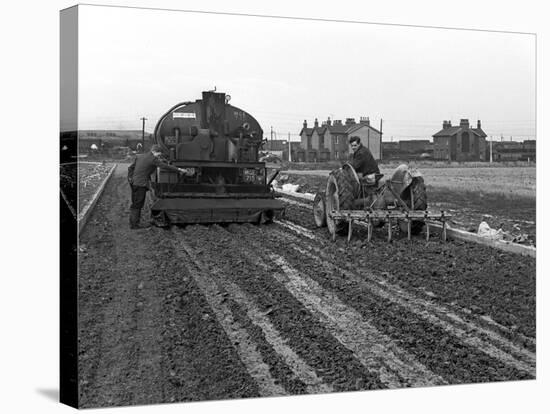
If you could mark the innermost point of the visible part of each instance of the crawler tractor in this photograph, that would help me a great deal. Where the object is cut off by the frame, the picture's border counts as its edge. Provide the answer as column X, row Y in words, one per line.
column 401, row 198
column 219, row 143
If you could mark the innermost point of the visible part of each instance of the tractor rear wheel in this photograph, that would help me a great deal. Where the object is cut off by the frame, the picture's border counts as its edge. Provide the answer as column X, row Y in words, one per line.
column 420, row 201
column 319, row 210
column 339, row 196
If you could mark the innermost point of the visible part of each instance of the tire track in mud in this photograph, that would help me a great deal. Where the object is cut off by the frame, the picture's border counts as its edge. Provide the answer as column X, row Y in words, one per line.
column 430, row 343
column 486, row 340
column 321, row 240
column 333, row 363
column 247, row 348
column 375, row 351
column 244, row 345
column 484, row 320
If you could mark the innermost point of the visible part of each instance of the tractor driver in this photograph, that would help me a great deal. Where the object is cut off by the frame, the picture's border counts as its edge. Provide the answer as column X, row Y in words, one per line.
column 139, row 173
column 362, row 160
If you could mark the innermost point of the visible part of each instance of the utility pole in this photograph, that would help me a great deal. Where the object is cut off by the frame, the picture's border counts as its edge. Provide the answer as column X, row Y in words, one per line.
column 271, row 140
column 143, row 119
column 289, row 149
column 380, row 147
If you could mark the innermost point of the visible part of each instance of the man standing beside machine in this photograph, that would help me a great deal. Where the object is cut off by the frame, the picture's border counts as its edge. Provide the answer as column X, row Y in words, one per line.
column 139, row 173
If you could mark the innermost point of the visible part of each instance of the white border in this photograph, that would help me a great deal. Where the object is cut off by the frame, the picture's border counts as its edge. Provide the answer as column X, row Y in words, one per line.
column 30, row 203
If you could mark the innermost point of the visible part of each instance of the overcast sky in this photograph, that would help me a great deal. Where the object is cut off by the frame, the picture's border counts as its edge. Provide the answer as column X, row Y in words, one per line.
column 135, row 63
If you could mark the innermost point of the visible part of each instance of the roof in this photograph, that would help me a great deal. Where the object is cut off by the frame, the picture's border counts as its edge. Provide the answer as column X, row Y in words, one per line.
column 308, row 131
column 320, row 130
column 337, row 129
column 479, row 132
column 447, row 132
column 355, row 127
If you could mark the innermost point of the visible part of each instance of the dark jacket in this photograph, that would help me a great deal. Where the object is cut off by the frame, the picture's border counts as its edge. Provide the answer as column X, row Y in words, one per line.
column 143, row 166
column 363, row 161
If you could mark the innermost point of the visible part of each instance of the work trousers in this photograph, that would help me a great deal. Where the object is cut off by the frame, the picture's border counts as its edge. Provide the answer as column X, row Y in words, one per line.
column 138, row 197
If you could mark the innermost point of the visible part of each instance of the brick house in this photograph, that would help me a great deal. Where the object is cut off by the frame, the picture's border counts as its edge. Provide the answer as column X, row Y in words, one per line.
column 460, row 143
column 329, row 141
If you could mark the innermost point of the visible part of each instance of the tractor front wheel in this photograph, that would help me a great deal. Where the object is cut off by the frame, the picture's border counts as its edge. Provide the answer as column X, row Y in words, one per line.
column 339, row 196
column 319, row 210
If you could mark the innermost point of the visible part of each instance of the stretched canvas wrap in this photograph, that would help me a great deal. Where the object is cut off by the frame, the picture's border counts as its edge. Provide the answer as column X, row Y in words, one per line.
column 258, row 206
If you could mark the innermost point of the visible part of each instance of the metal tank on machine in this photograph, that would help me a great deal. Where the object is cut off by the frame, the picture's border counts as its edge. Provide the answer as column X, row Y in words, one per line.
column 220, row 142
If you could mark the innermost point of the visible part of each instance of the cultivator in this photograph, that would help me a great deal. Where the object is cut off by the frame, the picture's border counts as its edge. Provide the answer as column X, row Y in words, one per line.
column 376, row 203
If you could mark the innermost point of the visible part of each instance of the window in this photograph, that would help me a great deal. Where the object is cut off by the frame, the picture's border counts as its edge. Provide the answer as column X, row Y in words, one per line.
column 336, row 155
column 336, row 139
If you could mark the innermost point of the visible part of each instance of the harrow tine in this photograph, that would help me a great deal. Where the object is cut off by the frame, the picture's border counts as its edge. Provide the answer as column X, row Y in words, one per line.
column 369, row 230
column 427, row 226
column 389, row 227
column 350, row 222
column 427, row 231
column 444, row 232
column 408, row 225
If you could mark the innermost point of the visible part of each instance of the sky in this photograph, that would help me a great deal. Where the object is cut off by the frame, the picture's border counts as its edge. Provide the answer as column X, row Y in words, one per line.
column 137, row 63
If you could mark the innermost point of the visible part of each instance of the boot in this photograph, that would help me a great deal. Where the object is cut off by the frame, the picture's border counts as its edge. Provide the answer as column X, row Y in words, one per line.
column 135, row 215
column 134, row 218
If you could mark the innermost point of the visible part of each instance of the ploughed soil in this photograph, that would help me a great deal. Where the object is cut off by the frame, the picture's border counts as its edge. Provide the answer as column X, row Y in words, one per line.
column 514, row 214
column 236, row 311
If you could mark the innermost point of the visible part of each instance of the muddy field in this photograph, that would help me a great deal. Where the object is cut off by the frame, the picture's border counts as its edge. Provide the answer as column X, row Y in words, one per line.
column 502, row 197
column 219, row 312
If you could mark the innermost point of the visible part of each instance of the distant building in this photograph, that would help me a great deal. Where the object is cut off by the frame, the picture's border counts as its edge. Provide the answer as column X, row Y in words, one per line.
column 275, row 145
column 514, row 150
column 105, row 139
column 329, row 141
column 460, row 143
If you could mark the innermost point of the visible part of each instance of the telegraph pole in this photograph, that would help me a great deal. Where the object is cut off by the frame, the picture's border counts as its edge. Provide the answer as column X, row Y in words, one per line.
column 143, row 119
column 271, row 140
column 289, row 149
column 380, row 148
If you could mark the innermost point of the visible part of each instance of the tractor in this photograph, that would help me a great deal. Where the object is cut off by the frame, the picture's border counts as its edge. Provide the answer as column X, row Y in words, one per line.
column 375, row 202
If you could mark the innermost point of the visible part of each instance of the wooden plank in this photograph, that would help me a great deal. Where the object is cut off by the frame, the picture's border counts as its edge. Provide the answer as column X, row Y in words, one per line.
column 302, row 196
column 87, row 210
column 497, row 244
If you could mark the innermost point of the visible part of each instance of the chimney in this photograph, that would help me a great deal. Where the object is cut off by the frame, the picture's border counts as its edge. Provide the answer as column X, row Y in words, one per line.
column 305, row 123
column 464, row 123
column 316, row 123
column 478, row 124
column 364, row 120
column 329, row 122
column 337, row 122
column 350, row 121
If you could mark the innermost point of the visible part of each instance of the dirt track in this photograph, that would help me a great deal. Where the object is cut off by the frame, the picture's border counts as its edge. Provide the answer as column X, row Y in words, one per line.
column 216, row 312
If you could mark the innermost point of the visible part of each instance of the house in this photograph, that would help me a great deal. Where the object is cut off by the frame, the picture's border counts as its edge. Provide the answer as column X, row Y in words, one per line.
column 305, row 153
column 329, row 141
column 460, row 142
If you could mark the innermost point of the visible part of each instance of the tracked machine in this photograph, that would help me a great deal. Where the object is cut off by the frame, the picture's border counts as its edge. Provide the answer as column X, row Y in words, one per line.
column 399, row 199
column 220, row 143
